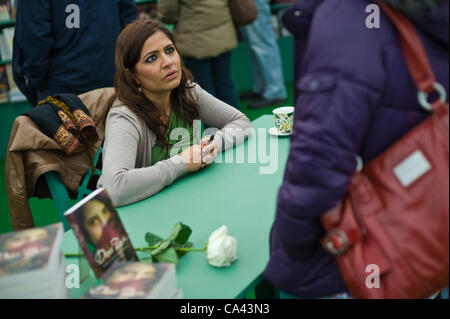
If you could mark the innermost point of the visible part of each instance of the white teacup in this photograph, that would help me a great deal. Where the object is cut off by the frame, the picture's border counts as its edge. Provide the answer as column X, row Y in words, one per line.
column 284, row 119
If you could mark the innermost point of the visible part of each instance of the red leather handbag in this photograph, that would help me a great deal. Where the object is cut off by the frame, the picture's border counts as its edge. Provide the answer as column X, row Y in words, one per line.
column 390, row 235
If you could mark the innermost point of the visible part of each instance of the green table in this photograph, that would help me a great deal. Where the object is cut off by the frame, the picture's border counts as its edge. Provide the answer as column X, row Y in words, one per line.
column 232, row 194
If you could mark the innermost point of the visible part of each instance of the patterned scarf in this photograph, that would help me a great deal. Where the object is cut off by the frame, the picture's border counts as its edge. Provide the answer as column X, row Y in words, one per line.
column 65, row 119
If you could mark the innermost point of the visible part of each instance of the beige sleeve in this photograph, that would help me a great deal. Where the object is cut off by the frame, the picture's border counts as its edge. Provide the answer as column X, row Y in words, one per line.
column 234, row 127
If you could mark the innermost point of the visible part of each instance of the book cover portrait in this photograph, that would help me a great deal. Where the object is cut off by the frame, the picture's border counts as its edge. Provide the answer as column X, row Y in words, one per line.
column 139, row 280
column 27, row 250
column 100, row 232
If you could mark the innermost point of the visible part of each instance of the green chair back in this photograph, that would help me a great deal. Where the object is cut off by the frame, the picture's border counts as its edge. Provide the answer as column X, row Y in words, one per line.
column 59, row 192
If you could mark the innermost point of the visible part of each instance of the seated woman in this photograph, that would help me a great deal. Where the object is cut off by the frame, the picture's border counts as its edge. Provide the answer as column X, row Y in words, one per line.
column 151, row 136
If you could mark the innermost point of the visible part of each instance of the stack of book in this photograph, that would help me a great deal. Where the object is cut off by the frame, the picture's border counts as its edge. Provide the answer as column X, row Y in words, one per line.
column 137, row 280
column 32, row 264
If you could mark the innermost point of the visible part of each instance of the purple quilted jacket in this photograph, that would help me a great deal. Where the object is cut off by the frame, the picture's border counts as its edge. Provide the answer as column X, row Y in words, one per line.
column 356, row 97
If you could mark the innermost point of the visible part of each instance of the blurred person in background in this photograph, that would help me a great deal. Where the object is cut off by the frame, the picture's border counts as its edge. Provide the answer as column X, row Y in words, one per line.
column 357, row 97
column 266, row 67
column 67, row 46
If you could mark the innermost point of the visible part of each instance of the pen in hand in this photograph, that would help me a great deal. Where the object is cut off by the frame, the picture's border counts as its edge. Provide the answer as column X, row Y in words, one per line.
column 203, row 145
column 211, row 138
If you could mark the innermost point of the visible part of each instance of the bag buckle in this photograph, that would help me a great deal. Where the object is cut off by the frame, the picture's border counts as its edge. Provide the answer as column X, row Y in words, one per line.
column 336, row 242
column 423, row 97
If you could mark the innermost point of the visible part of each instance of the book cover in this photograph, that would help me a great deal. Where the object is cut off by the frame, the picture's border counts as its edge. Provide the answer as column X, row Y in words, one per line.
column 100, row 232
column 4, row 48
column 5, row 11
column 29, row 254
column 136, row 280
column 4, row 87
column 8, row 33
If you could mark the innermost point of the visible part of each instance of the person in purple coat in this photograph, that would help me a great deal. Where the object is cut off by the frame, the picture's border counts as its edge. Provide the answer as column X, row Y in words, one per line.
column 356, row 97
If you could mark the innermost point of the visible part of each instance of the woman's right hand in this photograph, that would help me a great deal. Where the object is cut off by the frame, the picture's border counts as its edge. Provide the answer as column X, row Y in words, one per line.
column 192, row 157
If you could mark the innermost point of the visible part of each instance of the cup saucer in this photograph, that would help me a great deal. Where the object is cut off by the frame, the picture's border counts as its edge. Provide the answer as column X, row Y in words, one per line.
column 275, row 132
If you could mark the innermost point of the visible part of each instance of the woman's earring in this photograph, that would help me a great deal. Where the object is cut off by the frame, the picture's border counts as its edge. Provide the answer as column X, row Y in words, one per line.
column 139, row 86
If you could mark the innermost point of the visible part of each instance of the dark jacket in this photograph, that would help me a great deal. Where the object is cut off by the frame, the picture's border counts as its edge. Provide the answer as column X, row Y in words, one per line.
column 356, row 97
column 50, row 57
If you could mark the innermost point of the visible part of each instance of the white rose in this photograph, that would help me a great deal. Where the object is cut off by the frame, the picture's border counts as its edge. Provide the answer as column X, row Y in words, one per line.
column 222, row 248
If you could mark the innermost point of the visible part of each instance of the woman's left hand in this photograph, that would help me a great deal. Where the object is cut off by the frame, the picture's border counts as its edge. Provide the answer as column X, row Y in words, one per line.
column 209, row 151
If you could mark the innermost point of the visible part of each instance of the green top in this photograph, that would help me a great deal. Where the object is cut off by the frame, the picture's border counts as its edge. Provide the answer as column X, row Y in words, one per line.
column 182, row 142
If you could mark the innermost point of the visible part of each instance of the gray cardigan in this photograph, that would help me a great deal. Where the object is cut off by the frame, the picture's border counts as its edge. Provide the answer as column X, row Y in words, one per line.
column 127, row 173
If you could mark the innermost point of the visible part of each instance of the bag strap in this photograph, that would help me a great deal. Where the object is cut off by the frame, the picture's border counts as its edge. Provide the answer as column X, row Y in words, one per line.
column 416, row 58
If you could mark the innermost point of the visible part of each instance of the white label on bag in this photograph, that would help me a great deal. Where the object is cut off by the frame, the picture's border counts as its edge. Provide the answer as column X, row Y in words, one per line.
column 413, row 167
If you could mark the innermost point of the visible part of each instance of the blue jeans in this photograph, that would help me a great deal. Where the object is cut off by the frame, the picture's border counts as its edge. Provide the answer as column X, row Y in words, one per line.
column 214, row 76
column 267, row 70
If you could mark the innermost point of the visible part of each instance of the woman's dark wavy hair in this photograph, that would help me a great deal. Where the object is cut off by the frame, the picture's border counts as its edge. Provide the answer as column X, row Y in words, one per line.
column 128, row 52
